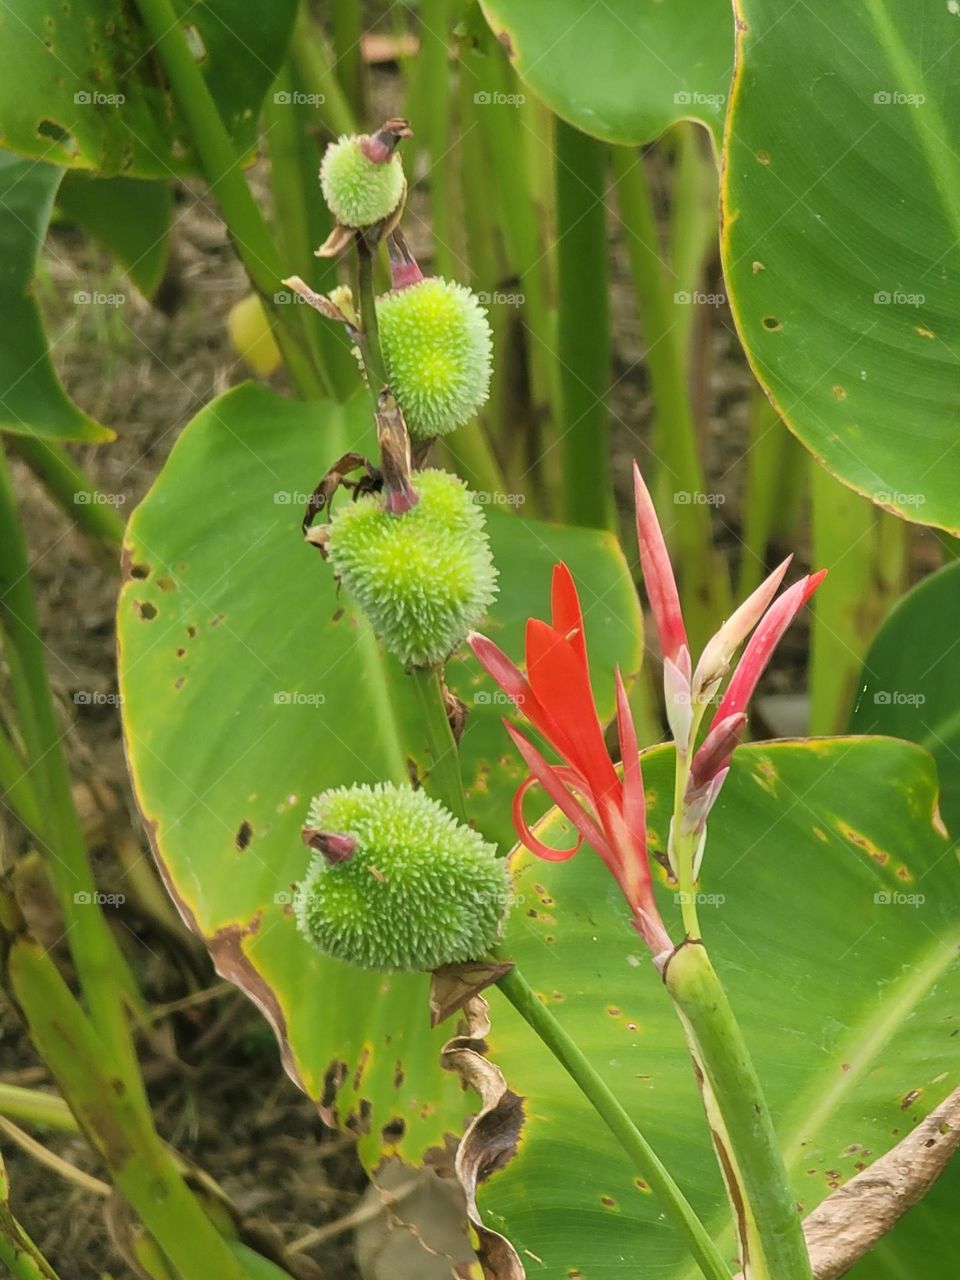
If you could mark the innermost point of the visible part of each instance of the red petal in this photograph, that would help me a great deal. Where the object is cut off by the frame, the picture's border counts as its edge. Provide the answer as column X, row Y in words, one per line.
column 565, row 609
column 560, row 681
column 634, row 806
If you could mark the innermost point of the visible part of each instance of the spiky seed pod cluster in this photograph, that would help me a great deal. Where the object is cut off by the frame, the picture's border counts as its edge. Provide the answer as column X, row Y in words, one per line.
column 359, row 191
column 418, row 890
column 423, row 579
column 437, row 348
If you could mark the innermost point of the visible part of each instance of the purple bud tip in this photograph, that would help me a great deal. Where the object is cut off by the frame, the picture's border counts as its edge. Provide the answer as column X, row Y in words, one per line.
column 334, row 846
column 399, row 501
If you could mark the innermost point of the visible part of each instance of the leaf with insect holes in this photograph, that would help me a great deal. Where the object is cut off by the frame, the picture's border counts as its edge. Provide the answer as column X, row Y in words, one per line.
column 82, row 84
column 251, row 683
column 841, row 244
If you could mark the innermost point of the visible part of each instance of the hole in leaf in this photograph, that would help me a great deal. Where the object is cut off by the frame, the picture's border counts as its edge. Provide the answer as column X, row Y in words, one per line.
column 140, row 571
column 146, row 609
column 244, row 835
column 191, row 631
column 771, row 324
column 166, row 584
column 180, row 652
column 394, row 1131
column 54, row 132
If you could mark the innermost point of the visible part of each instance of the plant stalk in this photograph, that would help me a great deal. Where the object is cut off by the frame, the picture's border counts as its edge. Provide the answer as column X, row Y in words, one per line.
column 71, row 489
column 573, row 1060
column 445, row 781
column 583, row 325
column 768, row 1223
column 113, row 1120
column 100, row 964
column 247, row 226
column 703, row 573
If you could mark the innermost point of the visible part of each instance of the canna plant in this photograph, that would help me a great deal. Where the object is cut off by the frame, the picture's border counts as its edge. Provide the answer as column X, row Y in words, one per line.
column 336, row 804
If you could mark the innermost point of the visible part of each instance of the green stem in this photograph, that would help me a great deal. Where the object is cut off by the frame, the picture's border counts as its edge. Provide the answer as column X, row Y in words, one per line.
column 71, row 489
column 765, row 1209
column 369, row 324
column 445, row 780
column 222, row 166
column 583, row 324
column 702, row 570
column 573, row 1060
column 100, row 964
column 17, row 786
column 315, row 62
column 434, row 68
column 347, row 36
column 22, row 1258
column 117, row 1126
column 45, row 1110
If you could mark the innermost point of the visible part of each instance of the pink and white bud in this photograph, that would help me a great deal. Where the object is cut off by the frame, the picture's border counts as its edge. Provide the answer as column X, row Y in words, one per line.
column 762, row 644
column 658, row 576
column 720, row 648
column 716, row 749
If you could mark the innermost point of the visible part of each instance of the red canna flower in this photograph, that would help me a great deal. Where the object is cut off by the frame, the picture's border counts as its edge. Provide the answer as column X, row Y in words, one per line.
column 556, row 697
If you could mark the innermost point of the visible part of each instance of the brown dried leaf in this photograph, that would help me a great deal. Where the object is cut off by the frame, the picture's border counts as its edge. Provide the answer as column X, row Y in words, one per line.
column 850, row 1222
column 490, row 1141
column 452, row 985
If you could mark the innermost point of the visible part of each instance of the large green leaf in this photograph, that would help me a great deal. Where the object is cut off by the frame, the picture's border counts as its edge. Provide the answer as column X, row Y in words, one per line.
column 129, row 217
column 910, row 682
column 249, row 685
column 81, row 84
column 833, row 920
column 622, row 70
column 841, row 242
column 32, row 401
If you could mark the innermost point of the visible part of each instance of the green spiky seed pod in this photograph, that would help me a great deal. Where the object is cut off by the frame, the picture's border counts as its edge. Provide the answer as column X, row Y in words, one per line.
column 418, row 889
column 423, row 579
column 437, row 349
column 358, row 191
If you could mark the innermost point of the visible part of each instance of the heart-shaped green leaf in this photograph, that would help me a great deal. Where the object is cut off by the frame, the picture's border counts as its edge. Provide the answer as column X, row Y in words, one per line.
column 831, row 905
column 910, row 682
column 32, row 401
column 249, row 684
column 129, row 217
column 841, row 240
column 81, row 84
column 623, row 70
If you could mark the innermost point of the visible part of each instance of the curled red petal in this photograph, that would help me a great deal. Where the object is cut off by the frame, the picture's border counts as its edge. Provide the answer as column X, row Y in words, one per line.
column 553, row 782
column 525, row 832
